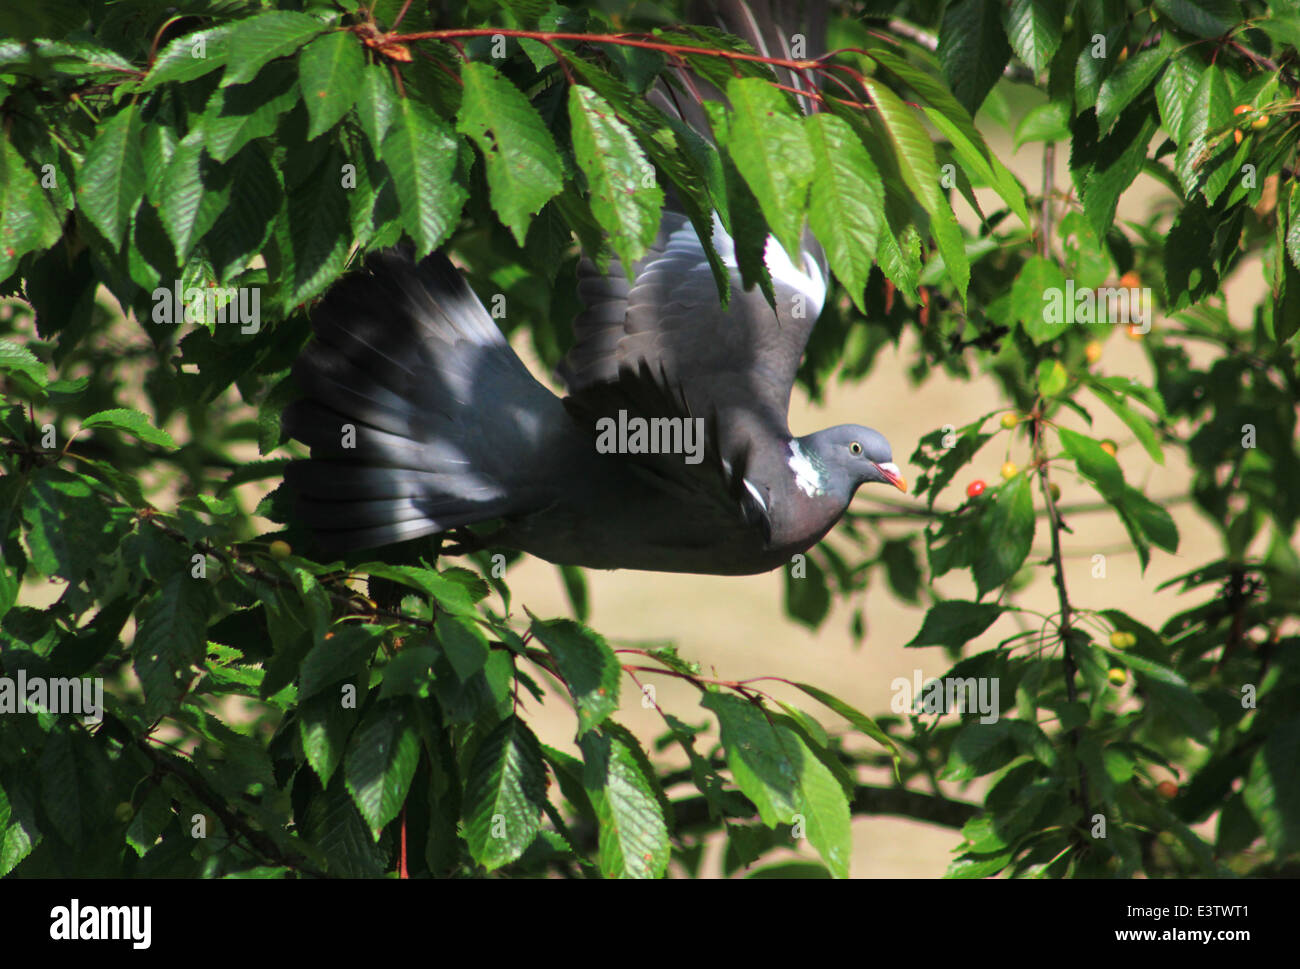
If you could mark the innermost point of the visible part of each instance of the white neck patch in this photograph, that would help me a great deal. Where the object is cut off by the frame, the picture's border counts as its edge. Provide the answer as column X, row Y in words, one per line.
column 806, row 476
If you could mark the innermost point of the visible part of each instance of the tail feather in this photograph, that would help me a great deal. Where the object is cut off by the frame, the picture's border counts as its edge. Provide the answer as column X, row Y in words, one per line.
column 419, row 415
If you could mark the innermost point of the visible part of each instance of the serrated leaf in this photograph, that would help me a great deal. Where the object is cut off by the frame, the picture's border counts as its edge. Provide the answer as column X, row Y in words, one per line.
column 504, row 794
column 522, row 164
column 775, row 769
column 772, row 153
column 972, row 49
column 1203, row 18
column 27, row 219
column 1009, row 535
column 111, row 181
column 1129, row 80
column 189, row 56
column 171, row 630
column 329, row 70
column 324, row 726
column 18, row 359
column 920, row 170
column 633, row 839
column 464, row 644
column 1034, row 29
column 845, row 200
column 381, row 761
column 858, row 719
column 956, row 124
column 625, row 198
column 1272, row 791
column 587, row 665
column 236, row 115
column 133, row 423
column 420, row 153
column 264, row 37
column 340, row 654
column 376, row 105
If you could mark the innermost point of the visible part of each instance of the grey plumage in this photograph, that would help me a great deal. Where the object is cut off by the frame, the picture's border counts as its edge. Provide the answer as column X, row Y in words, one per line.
column 420, row 417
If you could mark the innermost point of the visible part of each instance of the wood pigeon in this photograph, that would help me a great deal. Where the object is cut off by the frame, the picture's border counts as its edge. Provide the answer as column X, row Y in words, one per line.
column 671, row 452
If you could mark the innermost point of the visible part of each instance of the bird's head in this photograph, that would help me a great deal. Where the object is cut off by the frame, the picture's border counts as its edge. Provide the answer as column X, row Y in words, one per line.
column 842, row 458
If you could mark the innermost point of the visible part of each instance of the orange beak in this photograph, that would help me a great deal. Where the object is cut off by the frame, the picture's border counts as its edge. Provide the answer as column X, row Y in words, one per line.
column 892, row 475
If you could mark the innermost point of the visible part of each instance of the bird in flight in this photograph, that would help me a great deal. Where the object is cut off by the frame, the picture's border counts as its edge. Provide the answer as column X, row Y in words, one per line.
column 671, row 451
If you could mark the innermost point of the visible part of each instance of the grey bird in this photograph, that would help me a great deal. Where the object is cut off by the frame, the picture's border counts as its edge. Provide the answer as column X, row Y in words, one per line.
column 672, row 451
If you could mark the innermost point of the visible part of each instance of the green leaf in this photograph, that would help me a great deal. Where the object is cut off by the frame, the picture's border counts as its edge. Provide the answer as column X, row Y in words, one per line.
column 1120, row 157
column 633, row 836
column 376, row 105
column 973, row 49
column 341, row 654
column 329, row 70
column 1052, row 378
column 953, row 623
column 1094, row 462
column 786, row 781
column 112, row 177
column 189, row 57
column 1203, row 18
column 1038, row 299
column 1140, row 427
column 183, row 194
column 1034, row 28
column 27, row 219
column 236, row 115
column 311, row 231
column 920, row 170
column 18, row 359
column 625, row 198
column 955, row 123
column 846, row 199
column 450, row 595
column 587, row 665
column 171, row 632
column 858, row 719
column 1129, row 80
column 1272, row 791
column 523, row 167
column 504, row 794
column 771, row 150
column 464, row 643
column 420, row 153
column 264, row 37
column 133, row 423
column 1010, row 533
column 324, row 726
column 381, row 761
column 1170, row 693
column 807, row 596
column 1047, row 122
column 1175, row 89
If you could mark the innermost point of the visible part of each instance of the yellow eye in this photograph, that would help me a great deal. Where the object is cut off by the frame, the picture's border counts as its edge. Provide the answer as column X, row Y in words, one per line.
column 855, row 448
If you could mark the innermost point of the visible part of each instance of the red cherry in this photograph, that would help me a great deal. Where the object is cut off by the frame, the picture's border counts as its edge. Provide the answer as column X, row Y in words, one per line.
column 1167, row 789
column 975, row 488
